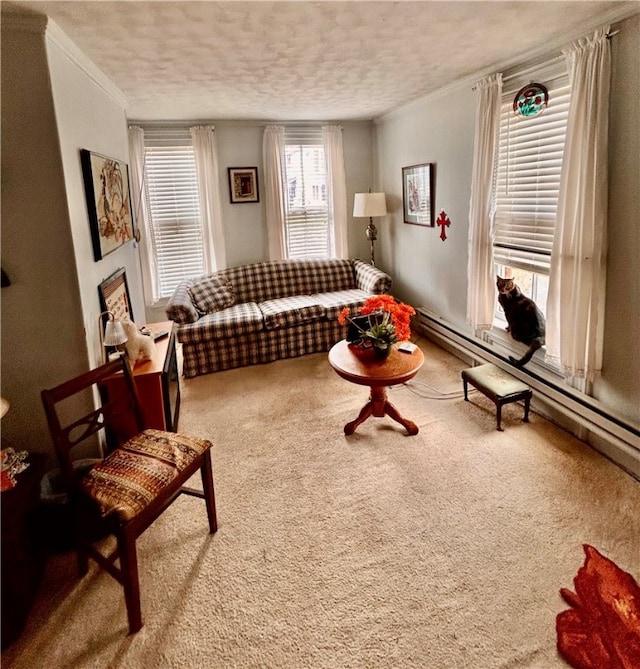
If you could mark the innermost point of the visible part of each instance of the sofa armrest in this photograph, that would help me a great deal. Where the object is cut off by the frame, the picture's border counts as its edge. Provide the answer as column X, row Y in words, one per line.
column 370, row 278
column 180, row 307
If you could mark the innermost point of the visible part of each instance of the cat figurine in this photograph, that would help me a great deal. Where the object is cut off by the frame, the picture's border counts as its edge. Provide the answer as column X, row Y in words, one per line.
column 526, row 322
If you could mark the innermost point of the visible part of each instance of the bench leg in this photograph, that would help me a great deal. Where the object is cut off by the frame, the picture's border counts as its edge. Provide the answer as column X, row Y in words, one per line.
column 464, row 385
column 527, row 402
column 499, row 416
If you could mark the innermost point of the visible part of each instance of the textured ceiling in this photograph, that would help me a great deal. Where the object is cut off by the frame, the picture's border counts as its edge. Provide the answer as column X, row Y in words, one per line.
column 301, row 60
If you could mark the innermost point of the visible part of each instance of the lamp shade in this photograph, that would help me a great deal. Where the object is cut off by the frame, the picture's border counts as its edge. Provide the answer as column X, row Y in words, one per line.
column 369, row 204
column 114, row 334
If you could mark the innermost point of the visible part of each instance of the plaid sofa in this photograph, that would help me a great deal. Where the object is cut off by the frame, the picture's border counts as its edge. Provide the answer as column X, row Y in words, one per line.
column 267, row 311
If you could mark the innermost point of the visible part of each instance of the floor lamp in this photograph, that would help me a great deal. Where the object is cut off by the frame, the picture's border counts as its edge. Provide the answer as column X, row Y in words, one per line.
column 370, row 204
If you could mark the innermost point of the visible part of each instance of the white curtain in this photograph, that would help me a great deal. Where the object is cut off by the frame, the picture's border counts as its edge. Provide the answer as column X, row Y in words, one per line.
column 481, row 290
column 206, row 157
column 576, row 301
column 147, row 256
column 272, row 151
column 336, row 181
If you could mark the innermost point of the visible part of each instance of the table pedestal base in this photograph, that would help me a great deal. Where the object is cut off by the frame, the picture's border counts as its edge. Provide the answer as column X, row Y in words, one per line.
column 379, row 406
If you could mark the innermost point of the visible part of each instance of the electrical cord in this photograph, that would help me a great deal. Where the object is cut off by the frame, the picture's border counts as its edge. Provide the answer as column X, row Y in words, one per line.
column 416, row 387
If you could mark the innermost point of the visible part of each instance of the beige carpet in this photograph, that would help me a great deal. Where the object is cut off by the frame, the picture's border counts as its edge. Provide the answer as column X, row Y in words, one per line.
column 380, row 550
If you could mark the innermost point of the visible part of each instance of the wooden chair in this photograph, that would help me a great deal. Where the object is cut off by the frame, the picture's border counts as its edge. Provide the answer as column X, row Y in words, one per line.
column 140, row 476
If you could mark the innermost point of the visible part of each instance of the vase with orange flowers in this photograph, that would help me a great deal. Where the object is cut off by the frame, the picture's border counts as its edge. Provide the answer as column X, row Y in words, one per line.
column 379, row 323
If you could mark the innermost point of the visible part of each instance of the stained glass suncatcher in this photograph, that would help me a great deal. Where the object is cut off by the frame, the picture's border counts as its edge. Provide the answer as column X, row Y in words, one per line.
column 531, row 100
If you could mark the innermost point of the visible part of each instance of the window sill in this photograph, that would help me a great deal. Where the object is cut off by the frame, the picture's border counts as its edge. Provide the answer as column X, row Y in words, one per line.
column 505, row 346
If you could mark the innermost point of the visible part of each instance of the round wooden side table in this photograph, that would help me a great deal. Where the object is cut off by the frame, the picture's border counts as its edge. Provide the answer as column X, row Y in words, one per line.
column 366, row 370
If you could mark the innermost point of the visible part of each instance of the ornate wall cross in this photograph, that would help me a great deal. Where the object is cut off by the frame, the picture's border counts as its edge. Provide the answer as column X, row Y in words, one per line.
column 443, row 221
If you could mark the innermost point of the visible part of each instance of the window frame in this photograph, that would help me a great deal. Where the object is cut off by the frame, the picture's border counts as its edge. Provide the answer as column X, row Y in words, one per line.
column 301, row 240
column 532, row 208
column 178, row 253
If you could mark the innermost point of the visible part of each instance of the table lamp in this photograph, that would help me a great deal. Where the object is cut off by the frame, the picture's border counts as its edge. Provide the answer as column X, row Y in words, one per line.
column 113, row 334
column 370, row 204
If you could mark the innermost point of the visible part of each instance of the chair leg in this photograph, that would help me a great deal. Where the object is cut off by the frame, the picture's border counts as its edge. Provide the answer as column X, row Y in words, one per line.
column 130, row 582
column 82, row 558
column 206, row 472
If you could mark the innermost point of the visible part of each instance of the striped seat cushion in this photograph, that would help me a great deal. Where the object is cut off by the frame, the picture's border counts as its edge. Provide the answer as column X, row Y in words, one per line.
column 130, row 478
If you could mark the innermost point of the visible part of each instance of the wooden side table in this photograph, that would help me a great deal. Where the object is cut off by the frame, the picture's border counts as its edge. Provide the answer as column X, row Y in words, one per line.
column 157, row 381
column 366, row 370
column 22, row 559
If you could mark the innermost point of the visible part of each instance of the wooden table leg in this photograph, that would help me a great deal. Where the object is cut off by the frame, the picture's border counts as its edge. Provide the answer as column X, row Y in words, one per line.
column 409, row 425
column 379, row 406
column 365, row 412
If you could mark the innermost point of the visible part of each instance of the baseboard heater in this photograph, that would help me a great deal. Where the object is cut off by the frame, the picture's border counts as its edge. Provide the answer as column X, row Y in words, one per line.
column 607, row 433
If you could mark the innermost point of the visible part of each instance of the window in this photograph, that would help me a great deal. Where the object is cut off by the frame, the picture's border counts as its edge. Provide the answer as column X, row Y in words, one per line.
column 172, row 202
column 527, row 181
column 306, row 205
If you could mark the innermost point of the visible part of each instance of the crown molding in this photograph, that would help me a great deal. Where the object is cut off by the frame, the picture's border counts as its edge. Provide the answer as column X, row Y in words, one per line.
column 615, row 15
column 39, row 24
column 59, row 38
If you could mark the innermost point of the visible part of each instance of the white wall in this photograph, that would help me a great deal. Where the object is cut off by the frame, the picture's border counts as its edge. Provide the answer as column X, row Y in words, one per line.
column 427, row 271
column 431, row 273
column 51, row 108
column 42, row 325
column 620, row 382
column 240, row 145
column 90, row 114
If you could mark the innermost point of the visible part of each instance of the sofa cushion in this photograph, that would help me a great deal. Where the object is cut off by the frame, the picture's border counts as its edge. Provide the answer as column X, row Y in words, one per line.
column 370, row 278
column 336, row 301
column 180, row 307
column 269, row 280
column 286, row 311
column 238, row 320
column 212, row 293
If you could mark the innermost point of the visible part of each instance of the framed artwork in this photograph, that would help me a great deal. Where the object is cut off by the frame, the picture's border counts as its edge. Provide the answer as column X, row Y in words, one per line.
column 114, row 295
column 106, row 185
column 243, row 184
column 417, row 194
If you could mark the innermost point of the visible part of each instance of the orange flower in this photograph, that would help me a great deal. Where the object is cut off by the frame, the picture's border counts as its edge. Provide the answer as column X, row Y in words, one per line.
column 395, row 318
column 342, row 318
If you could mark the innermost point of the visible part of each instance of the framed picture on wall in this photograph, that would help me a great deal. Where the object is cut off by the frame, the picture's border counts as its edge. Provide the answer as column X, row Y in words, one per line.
column 114, row 295
column 243, row 184
column 106, row 185
column 417, row 194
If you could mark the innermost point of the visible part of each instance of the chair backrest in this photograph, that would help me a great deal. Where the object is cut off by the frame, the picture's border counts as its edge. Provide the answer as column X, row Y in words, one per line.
column 101, row 410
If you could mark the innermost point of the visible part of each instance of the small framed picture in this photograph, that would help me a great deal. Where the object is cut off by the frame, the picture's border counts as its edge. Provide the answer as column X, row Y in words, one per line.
column 417, row 194
column 114, row 295
column 243, row 184
column 106, row 185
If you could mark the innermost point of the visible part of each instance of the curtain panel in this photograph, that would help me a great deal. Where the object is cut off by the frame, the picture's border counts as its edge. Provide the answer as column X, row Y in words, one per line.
column 206, row 158
column 336, row 181
column 141, row 216
column 272, row 151
column 481, row 279
column 576, row 303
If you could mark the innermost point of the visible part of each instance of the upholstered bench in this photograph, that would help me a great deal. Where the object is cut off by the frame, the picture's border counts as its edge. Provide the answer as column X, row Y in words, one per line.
column 499, row 386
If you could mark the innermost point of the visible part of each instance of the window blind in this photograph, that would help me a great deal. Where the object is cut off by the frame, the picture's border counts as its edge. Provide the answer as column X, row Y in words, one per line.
column 306, row 204
column 527, row 179
column 173, row 205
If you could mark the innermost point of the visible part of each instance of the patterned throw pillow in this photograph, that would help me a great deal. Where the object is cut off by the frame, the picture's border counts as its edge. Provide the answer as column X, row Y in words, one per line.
column 212, row 294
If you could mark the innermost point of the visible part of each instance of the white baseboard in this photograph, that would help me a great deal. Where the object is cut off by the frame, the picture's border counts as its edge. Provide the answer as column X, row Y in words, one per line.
column 579, row 414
